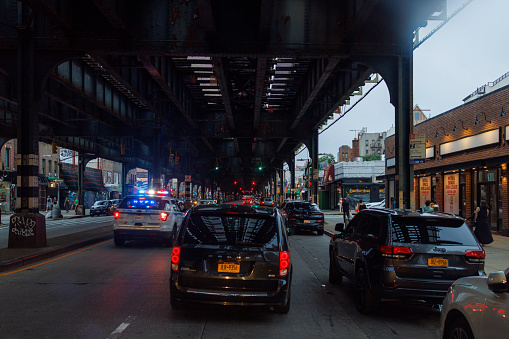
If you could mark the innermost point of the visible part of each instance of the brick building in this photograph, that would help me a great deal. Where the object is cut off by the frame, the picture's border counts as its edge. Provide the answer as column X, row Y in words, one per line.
column 467, row 152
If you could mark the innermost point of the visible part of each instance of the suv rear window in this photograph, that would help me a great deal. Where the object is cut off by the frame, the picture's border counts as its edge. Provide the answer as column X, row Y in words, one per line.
column 153, row 203
column 231, row 229
column 436, row 231
column 304, row 206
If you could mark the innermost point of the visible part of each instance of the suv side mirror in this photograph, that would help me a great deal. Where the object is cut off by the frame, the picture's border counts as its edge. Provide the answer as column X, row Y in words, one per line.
column 497, row 282
column 340, row 227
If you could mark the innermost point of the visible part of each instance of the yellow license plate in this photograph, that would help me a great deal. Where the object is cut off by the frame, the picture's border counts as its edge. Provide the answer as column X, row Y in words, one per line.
column 438, row 262
column 306, row 221
column 228, row 267
column 138, row 218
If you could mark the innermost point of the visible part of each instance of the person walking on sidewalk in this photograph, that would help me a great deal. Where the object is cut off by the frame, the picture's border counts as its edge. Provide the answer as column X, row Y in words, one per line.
column 48, row 203
column 482, row 224
column 346, row 211
column 361, row 205
column 67, row 205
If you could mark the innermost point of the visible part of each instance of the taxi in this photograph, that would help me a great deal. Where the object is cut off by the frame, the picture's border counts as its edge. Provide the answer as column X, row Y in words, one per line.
column 149, row 214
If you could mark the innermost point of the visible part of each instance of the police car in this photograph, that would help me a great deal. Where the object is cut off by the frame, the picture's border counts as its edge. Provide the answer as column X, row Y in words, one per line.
column 150, row 214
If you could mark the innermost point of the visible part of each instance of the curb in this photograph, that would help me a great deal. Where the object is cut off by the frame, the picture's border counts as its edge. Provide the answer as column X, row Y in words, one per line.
column 7, row 266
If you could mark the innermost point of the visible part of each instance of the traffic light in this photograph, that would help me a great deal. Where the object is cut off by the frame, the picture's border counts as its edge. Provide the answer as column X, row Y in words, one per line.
column 176, row 159
column 172, row 157
column 217, row 165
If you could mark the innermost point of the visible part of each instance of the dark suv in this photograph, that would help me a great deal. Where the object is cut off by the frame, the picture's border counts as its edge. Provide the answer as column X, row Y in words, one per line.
column 400, row 254
column 231, row 255
column 101, row 207
column 303, row 215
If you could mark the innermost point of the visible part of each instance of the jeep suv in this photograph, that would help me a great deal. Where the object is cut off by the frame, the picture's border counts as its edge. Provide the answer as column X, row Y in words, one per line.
column 400, row 254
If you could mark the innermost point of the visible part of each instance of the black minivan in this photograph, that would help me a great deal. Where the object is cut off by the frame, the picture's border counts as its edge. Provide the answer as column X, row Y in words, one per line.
column 231, row 255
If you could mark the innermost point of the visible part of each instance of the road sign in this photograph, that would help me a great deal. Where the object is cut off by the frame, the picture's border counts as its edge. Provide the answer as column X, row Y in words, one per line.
column 188, row 178
column 417, row 148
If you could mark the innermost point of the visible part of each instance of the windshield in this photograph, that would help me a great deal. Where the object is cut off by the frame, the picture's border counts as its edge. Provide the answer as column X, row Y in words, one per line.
column 436, row 231
column 232, row 229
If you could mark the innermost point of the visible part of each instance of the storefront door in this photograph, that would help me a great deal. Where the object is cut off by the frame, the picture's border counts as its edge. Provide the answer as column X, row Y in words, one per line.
column 488, row 192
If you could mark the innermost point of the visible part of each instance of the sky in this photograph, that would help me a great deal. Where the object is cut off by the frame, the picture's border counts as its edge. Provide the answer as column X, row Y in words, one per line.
column 471, row 50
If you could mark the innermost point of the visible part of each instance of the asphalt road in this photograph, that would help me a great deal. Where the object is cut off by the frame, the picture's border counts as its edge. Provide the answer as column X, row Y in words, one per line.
column 107, row 292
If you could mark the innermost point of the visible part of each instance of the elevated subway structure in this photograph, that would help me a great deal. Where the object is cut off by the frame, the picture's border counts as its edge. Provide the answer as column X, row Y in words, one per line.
column 238, row 84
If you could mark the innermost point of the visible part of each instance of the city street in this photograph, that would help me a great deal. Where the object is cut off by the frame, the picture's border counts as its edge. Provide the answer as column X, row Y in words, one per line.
column 107, row 292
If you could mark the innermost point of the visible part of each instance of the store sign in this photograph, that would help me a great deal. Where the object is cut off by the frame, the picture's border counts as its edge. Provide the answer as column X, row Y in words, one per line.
column 417, row 148
column 424, row 190
column 452, row 193
column 187, row 178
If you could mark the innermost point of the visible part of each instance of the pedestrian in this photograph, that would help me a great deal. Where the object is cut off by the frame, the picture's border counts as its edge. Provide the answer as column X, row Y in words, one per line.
column 361, row 205
column 76, row 201
column 48, row 203
column 482, row 225
column 346, row 210
column 427, row 206
column 67, row 205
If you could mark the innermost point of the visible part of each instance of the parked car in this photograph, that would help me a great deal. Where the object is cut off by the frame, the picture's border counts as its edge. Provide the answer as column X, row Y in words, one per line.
column 206, row 202
column 146, row 216
column 101, row 207
column 303, row 215
column 477, row 307
column 396, row 254
column 231, row 255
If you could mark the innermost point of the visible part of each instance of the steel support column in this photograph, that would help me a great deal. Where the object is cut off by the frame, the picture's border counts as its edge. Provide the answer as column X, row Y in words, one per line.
column 292, row 180
column 314, row 163
column 83, row 160
column 27, row 226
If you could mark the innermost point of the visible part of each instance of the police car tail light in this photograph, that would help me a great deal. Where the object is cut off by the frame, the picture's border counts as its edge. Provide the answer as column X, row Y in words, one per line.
column 475, row 255
column 116, row 214
column 284, row 263
column 164, row 216
column 175, row 258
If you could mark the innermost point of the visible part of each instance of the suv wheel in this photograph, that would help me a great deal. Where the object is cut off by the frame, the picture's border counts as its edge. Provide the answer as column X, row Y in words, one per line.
column 334, row 275
column 319, row 232
column 284, row 309
column 366, row 302
column 119, row 241
column 459, row 329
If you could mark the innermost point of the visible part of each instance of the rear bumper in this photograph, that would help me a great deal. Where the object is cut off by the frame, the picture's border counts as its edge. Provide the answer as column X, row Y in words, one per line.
column 98, row 212
column 278, row 297
column 312, row 226
column 135, row 234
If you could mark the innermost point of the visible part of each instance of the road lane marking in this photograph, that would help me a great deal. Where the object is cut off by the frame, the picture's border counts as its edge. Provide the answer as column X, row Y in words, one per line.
column 55, row 259
column 121, row 328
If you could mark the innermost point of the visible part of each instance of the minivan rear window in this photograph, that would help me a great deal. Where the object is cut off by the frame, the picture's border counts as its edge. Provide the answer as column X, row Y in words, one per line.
column 304, row 206
column 436, row 231
column 231, row 229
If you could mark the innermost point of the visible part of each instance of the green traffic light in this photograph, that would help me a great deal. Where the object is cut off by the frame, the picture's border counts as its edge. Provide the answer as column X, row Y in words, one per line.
column 217, row 167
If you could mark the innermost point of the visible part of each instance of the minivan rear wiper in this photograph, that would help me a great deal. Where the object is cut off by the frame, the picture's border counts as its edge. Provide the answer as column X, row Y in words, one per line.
column 247, row 243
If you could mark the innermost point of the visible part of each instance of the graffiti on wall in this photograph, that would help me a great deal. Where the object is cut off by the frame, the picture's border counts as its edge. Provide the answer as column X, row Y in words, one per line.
column 23, row 226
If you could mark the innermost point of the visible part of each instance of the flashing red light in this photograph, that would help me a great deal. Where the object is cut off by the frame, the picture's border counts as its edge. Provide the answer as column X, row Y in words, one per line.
column 175, row 258
column 395, row 250
column 164, row 216
column 284, row 263
column 116, row 214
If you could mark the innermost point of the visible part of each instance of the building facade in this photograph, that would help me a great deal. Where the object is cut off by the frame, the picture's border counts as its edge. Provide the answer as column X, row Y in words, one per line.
column 467, row 152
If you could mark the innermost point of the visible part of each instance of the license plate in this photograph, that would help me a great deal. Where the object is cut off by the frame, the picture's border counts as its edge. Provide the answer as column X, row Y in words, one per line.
column 307, row 221
column 138, row 218
column 438, row 262
column 228, row 267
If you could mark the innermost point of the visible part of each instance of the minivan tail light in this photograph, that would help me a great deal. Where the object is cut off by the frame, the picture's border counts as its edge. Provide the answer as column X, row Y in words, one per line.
column 116, row 214
column 395, row 252
column 164, row 216
column 475, row 255
column 284, row 263
column 175, row 258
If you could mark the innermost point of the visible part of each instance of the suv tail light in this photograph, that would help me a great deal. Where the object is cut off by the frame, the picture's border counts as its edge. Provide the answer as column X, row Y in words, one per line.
column 395, row 252
column 284, row 263
column 475, row 255
column 164, row 216
column 175, row 258
column 116, row 214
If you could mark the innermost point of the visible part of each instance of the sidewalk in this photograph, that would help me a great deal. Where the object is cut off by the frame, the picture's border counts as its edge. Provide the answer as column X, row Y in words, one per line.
column 497, row 253
column 11, row 258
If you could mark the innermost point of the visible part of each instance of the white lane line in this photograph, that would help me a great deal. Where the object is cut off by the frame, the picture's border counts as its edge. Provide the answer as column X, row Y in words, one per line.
column 118, row 332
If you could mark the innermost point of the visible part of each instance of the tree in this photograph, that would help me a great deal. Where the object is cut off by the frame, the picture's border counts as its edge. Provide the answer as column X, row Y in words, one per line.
column 327, row 157
column 371, row 157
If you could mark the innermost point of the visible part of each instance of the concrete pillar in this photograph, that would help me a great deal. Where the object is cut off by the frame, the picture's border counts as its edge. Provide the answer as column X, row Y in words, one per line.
column 314, row 163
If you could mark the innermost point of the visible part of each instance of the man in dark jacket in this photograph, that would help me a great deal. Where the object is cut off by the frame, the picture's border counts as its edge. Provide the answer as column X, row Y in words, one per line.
column 346, row 210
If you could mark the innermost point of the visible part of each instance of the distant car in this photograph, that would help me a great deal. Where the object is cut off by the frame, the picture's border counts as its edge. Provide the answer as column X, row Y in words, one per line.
column 206, row 202
column 101, row 207
column 379, row 204
column 146, row 216
column 477, row 307
column 303, row 215
column 400, row 254
column 231, row 255
column 267, row 202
